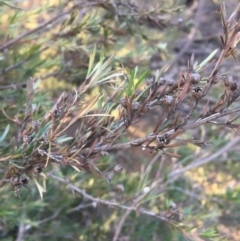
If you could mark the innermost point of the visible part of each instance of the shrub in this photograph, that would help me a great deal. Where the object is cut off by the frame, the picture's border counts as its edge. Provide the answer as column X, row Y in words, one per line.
column 101, row 120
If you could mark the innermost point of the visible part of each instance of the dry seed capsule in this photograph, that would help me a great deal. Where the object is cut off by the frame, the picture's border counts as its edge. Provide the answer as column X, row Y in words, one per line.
column 37, row 169
column 24, row 181
column 162, row 81
column 233, row 87
column 163, row 139
column 123, row 102
column 197, row 92
column 167, row 81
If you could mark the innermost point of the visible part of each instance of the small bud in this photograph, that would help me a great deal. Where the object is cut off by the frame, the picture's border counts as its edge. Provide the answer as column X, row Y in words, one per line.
column 163, row 81
column 195, row 78
column 173, row 205
column 118, row 168
column 94, row 204
column 150, row 81
column 234, row 86
column 109, row 176
column 167, row 81
column 104, row 153
column 35, row 125
column 143, row 147
column 180, row 20
column 216, row 79
column 14, row 180
column 167, row 99
column 148, row 106
column 45, row 137
column 146, row 190
column 135, row 105
column 26, row 139
column 120, row 188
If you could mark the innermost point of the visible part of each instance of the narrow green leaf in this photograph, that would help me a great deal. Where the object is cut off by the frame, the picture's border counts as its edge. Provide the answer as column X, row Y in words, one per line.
column 14, row 164
column 91, row 61
column 6, row 149
column 29, row 149
column 43, row 130
column 33, row 49
column 64, row 139
column 102, row 55
column 10, row 5
column 18, row 151
column 41, row 189
column 37, row 83
column 141, row 78
column 5, row 133
column 100, row 101
column 205, row 61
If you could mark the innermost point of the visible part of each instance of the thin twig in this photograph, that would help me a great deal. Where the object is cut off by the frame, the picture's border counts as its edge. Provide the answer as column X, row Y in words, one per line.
column 14, row 66
column 201, row 161
column 51, row 217
column 21, row 232
column 43, row 25
column 170, row 132
column 110, row 203
column 120, row 225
